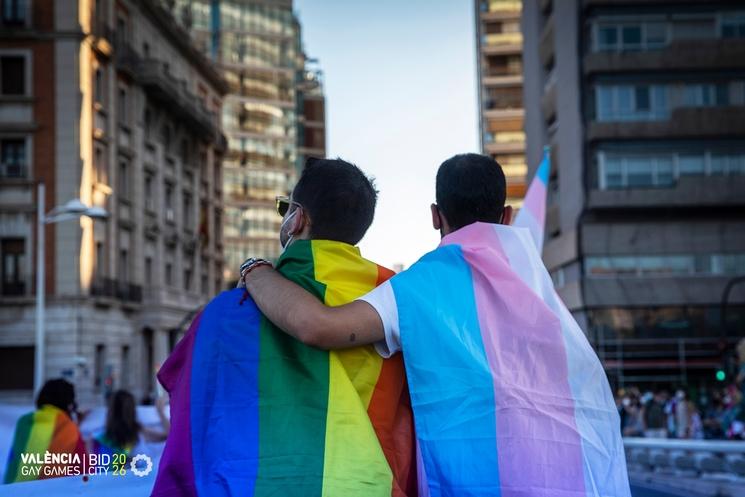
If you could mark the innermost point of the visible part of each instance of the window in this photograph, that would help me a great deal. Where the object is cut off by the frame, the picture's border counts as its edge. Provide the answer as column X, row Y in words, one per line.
column 187, row 211
column 14, row 12
column 170, row 217
column 631, row 36
column 639, row 170
column 169, row 273
column 13, row 254
column 733, row 25
column 98, row 366
column 99, row 88
column 691, row 165
column 123, row 109
column 665, row 265
column 706, row 95
column 17, row 368
column 187, row 279
column 125, row 370
column 631, row 102
column 148, row 270
column 147, row 122
column 124, row 180
column 607, row 37
column 12, row 75
column 99, row 164
column 149, row 193
column 641, row 35
column 13, row 158
column 123, row 265
column 100, row 260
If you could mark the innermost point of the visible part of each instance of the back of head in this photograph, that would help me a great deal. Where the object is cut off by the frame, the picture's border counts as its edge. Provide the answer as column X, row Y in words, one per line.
column 59, row 393
column 122, row 427
column 471, row 188
column 339, row 199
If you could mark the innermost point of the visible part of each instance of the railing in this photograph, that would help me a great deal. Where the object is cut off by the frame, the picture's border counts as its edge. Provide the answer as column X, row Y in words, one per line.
column 697, row 458
column 109, row 287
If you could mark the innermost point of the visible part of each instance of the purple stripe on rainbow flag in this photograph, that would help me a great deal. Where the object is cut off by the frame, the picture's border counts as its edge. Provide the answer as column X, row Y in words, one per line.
column 176, row 468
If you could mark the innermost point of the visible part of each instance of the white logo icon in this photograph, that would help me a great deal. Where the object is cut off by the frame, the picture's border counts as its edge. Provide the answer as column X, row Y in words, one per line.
column 141, row 458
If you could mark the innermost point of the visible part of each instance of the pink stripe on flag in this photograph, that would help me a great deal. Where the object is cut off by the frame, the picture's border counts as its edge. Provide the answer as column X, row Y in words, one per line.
column 535, row 201
column 537, row 437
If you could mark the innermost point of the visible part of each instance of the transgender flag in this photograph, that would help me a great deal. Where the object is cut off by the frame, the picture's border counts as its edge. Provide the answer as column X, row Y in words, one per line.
column 533, row 213
column 509, row 397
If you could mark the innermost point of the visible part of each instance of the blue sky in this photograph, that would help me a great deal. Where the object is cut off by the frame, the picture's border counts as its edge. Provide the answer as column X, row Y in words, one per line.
column 400, row 84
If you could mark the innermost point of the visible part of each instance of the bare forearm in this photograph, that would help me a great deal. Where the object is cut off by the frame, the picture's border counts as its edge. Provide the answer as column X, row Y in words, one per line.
column 301, row 315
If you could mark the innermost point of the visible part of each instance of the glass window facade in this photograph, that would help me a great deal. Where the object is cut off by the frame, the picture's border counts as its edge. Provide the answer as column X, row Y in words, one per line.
column 619, row 170
column 665, row 265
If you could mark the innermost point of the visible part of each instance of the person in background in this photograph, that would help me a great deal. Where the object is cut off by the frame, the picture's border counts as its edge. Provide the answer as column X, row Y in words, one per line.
column 654, row 416
column 682, row 415
column 634, row 426
column 48, row 429
column 123, row 433
column 740, row 378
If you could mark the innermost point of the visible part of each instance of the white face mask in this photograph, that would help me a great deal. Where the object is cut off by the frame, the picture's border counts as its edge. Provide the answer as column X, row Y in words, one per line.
column 289, row 236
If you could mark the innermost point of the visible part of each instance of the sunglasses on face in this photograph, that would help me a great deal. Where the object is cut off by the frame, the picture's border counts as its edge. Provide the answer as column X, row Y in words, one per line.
column 283, row 204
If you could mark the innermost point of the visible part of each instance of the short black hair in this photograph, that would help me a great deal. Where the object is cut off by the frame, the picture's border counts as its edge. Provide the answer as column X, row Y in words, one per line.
column 59, row 393
column 471, row 188
column 339, row 199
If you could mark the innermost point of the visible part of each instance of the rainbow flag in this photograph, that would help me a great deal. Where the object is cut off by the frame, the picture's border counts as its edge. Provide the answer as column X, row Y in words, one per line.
column 102, row 444
column 533, row 213
column 255, row 412
column 48, row 429
column 509, row 397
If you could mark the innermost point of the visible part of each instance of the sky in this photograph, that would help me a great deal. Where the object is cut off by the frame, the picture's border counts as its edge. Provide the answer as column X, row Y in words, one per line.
column 400, row 85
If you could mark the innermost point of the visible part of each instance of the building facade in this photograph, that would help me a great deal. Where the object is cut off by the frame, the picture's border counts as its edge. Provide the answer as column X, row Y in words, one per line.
column 643, row 105
column 500, row 80
column 110, row 103
column 256, row 44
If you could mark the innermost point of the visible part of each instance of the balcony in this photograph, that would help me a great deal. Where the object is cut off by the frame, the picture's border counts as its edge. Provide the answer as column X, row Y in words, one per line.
column 112, row 288
column 126, row 59
column 679, row 55
column 500, row 43
column 162, row 86
column 689, row 191
column 684, row 122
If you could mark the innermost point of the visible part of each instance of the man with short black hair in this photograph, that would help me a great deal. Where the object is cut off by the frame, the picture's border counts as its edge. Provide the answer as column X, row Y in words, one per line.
column 255, row 411
column 508, row 396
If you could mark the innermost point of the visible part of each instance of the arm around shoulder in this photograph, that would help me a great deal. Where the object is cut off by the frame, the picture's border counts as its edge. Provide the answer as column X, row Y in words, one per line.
column 298, row 313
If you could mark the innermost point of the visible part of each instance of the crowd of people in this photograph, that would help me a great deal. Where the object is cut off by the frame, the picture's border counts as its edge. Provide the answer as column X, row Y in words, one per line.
column 713, row 414
column 716, row 413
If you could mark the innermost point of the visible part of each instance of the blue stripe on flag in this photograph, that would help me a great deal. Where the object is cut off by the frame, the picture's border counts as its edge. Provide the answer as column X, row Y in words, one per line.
column 544, row 168
column 224, row 397
column 448, row 372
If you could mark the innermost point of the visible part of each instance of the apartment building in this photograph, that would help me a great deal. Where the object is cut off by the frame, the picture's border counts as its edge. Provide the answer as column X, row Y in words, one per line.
column 107, row 102
column 270, row 112
column 500, row 80
column 643, row 105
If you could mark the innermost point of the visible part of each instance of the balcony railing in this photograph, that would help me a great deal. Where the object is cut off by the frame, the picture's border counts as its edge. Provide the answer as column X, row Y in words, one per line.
column 13, row 170
column 109, row 287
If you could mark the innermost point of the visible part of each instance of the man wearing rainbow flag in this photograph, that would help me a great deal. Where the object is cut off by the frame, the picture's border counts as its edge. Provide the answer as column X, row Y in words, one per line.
column 508, row 396
column 256, row 412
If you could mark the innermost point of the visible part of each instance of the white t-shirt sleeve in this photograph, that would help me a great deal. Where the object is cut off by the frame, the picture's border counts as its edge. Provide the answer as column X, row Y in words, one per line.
column 383, row 301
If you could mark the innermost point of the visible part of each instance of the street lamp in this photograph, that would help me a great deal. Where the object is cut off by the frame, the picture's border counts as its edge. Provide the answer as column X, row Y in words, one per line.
column 71, row 210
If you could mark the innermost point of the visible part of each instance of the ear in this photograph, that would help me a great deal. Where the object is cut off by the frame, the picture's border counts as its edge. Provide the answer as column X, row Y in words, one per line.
column 300, row 226
column 436, row 221
column 507, row 215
